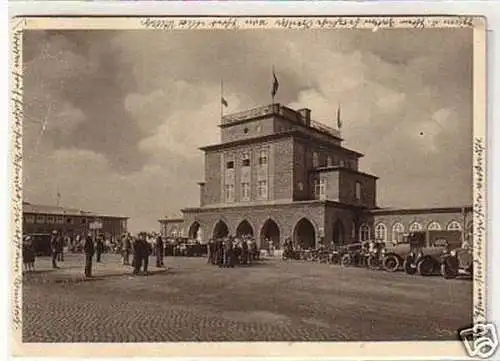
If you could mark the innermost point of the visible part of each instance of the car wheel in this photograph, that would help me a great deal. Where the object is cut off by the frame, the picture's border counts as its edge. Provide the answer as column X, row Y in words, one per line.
column 346, row 260
column 408, row 266
column 425, row 267
column 391, row 263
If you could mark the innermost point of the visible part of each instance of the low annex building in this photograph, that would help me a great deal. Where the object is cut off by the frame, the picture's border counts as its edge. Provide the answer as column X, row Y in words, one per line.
column 277, row 173
column 43, row 219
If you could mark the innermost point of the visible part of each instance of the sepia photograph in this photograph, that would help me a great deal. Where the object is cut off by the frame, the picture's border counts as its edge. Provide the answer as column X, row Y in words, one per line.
column 249, row 184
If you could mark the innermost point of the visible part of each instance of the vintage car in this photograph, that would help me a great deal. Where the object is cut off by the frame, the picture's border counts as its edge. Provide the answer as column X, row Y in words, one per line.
column 458, row 261
column 414, row 255
column 354, row 255
column 424, row 259
column 376, row 252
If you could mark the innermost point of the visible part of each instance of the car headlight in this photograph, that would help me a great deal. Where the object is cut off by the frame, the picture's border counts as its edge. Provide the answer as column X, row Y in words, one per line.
column 453, row 253
column 420, row 254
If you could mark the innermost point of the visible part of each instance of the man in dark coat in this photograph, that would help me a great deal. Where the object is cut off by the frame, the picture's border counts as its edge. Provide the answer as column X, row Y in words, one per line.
column 99, row 249
column 210, row 251
column 60, row 247
column 159, row 252
column 137, row 256
column 53, row 248
column 147, row 249
column 88, row 248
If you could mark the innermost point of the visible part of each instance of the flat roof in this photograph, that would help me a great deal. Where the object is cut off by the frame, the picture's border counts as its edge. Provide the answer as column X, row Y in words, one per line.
column 62, row 211
column 283, row 112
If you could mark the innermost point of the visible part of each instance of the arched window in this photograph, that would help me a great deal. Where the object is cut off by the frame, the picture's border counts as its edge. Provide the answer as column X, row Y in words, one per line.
column 454, row 226
column 434, row 226
column 397, row 232
column 415, row 227
column 364, row 232
column 381, row 232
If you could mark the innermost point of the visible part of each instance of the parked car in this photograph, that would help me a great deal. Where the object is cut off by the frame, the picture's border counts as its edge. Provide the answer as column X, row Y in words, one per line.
column 458, row 261
column 353, row 255
column 424, row 259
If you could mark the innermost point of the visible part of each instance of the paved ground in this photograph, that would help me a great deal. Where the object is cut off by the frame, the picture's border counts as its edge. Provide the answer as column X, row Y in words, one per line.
column 271, row 301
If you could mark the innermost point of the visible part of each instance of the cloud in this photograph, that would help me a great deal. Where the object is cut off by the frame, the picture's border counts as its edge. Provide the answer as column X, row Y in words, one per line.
column 128, row 110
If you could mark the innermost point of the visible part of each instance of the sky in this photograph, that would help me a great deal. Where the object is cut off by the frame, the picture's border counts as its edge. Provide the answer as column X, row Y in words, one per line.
column 114, row 119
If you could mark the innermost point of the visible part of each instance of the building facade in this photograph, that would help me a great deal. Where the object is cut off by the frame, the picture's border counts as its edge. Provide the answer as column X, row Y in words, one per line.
column 70, row 222
column 277, row 174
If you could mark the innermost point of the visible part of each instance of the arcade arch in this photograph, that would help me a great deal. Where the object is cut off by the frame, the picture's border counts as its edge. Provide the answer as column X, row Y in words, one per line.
column 269, row 232
column 304, row 234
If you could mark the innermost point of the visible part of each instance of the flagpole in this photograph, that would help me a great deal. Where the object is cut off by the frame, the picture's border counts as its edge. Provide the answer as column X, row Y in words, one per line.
column 220, row 101
column 272, row 92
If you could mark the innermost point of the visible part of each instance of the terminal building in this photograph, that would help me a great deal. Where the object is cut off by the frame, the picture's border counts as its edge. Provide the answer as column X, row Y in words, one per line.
column 43, row 219
column 277, row 174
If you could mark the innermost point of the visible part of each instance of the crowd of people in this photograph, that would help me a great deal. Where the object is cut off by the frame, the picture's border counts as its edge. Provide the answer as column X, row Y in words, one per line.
column 136, row 250
column 230, row 251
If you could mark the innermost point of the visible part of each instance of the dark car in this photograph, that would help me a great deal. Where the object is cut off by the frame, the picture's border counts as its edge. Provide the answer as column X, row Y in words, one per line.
column 425, row 259
column 41, row 243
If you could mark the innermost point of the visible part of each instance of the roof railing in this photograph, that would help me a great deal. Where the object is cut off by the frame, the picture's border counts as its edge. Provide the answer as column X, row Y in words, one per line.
column 278, row 109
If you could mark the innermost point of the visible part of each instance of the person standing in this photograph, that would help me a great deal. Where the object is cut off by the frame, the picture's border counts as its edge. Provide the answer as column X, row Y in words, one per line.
column 53, row 249
column 88, row 249
column 60, row 247
column 99, row 249
column 228, row 253
column 159, row 252
column 137, row 256
column 146, row 252
column 210, row 251
column 127, row 246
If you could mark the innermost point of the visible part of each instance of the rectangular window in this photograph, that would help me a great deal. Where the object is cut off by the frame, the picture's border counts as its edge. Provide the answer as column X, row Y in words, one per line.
column 245, row 191
column 69, row 220
column 51, row 219
column 263, row 157
column 320, row 189
column 229, row 192
column 358, row 191
column 230, row 164
column 245, row 159
column 59, row 220
column 40, row 219
column 262, row 189
column 29, row 219
column 83, row 221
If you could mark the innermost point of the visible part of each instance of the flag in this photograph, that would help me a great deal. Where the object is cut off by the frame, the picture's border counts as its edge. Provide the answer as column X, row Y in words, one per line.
column 275, row 85
column 223, row 101
column 339, row 121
